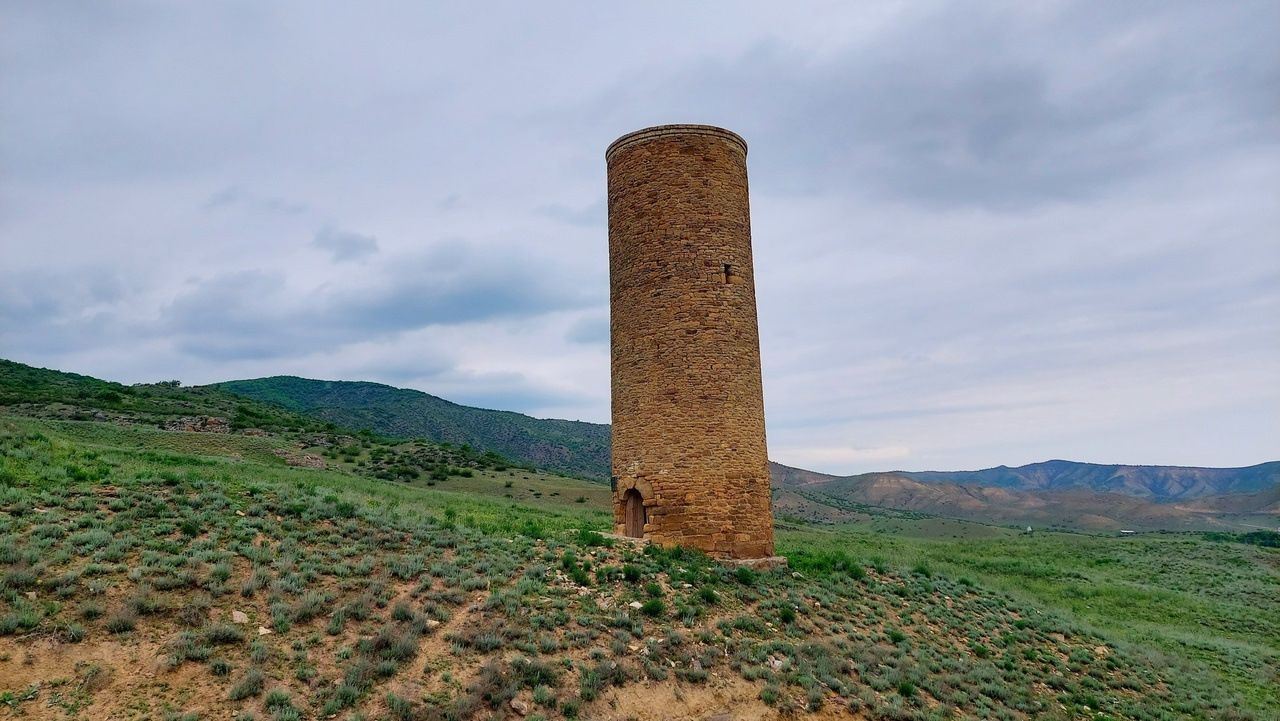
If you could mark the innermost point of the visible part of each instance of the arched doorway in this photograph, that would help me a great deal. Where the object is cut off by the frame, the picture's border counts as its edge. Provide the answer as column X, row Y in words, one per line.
column 634, row 513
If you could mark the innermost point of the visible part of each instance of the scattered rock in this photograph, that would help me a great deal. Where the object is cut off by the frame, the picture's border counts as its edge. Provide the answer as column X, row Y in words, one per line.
column 306, row 460
column 31, row 595
column 635, row 605
column 432, row 623
column 264, row 631
column 519, row 706
column 239, row 616
column 199, row 424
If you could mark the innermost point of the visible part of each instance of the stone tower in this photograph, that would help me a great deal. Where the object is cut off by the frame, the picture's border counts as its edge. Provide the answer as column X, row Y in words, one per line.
column 689, row 459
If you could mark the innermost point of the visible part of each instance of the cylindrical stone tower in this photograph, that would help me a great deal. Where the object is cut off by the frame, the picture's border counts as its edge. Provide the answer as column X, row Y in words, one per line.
column 689, row 459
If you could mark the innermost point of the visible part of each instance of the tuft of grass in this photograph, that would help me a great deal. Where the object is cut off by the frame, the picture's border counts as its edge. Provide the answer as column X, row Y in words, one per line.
column 122, row 620
column 250, row 684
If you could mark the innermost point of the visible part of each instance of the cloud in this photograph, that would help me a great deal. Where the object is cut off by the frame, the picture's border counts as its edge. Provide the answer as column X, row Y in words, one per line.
column 345, row 245
column 59, row 311
column 829, row 456
column 591, row 330
column 254, row 314
column 236, row 196
column 973, row 106
column 592, row 215
column 508, row 392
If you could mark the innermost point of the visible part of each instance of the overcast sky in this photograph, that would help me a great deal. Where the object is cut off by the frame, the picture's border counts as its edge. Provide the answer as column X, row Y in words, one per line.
column 985, row 233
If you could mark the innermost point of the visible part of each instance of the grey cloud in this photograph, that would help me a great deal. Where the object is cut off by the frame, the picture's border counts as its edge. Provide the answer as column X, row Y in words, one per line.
column 345, row 245
column 592, row 330
column 511, row 392
column 594, row 214
column 59, row 311
column 236, row 196
column 968, row 106
column 250, row 314
column 238, row 315
column 421, row 369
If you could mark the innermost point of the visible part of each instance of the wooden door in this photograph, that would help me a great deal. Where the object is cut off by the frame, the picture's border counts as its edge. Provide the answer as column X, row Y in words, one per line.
column 634, row 513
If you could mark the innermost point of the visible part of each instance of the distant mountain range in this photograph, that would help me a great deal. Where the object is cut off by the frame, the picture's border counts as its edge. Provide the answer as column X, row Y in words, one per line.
column 1202, row 505
column 1058, row 492
column 572, row 447
column 1155, row 482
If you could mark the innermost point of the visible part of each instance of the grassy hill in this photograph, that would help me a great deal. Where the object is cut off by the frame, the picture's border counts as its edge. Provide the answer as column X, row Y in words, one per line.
column 573, row 447
column 448, row 441
column 45, row 393
column 177, row 575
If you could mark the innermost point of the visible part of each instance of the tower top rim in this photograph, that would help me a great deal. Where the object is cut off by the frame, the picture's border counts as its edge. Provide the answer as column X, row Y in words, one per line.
column 661, row 131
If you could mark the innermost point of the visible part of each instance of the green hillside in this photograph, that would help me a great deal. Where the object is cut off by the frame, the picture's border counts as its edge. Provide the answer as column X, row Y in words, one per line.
column 144, row 577
column 573, row 447
column 44, row 393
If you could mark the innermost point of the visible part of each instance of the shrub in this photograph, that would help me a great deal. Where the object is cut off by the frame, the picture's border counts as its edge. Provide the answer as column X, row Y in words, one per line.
column 276, row 699
column 308, row 607
column 534, row 674
column 223, row 633
column 249, row 685
column 590, row 538
column 122, row 621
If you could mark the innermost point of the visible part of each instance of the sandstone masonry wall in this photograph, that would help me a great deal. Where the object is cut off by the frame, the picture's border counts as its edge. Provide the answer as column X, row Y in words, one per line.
column 688, row 406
